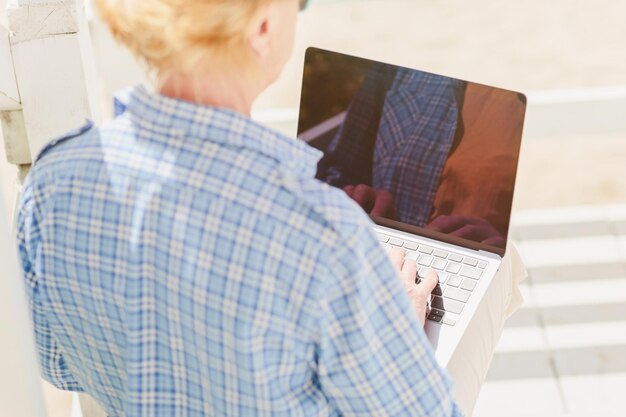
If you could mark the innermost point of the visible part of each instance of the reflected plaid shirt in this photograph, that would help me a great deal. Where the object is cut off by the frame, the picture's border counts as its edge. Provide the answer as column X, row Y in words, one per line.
column 397, row 135
column 183, row 261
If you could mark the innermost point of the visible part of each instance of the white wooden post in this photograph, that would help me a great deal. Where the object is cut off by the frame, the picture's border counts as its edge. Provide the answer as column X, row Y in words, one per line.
column 54, row 67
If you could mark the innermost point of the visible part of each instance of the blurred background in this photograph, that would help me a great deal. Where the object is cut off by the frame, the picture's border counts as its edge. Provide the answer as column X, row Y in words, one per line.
column 569, row 56
column 564, row 352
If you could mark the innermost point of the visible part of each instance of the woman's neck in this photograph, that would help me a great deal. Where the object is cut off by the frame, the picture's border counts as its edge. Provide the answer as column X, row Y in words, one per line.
column 223, row 90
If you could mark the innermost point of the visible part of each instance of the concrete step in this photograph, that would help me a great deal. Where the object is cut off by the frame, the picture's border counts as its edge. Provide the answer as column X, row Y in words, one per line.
column 588, row 396
column 573, row 243
column 563, row 353
column 565, row 222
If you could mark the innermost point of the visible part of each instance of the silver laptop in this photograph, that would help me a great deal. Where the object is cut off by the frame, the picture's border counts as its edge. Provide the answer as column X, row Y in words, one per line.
column 432, row 160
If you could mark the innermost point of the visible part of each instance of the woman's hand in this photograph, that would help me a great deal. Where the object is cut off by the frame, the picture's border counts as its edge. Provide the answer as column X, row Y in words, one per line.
column 419, row 294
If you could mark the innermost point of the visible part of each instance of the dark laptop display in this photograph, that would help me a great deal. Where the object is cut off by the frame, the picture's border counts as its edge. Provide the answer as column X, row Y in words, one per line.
column 420, row 152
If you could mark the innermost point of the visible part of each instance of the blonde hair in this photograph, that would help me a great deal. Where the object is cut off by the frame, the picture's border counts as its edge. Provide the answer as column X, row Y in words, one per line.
column 177, row 35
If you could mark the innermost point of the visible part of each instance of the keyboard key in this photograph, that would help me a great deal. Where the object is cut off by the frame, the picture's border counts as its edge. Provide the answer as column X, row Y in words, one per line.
column 448, row 321
column 436, row 312
column 437, row 290
column 440, row 254
column 454, row 280
column 439, row 264
column 482, row 264
column 469, row 284
column 469, row 272
column 382, row 238
column 396, row 242
column 423, row 271
column 456, row 294
column 412, row 256
column 426, row 249
column 453, row 268
column 469, row 261
column 425, row 260
column 446, row 304
column 435, row 318
column 410, row 245
column 455, row 258
column 442, row 277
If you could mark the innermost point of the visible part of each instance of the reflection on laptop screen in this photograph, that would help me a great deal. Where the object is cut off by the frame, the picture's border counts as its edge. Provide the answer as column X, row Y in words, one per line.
column 416, row 148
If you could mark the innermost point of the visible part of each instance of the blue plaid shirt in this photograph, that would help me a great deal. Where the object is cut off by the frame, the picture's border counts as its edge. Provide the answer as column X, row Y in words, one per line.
column 182, row 260
column 403, row 148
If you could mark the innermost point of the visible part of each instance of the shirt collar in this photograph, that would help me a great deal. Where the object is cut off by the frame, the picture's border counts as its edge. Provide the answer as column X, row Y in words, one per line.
column 216, row 125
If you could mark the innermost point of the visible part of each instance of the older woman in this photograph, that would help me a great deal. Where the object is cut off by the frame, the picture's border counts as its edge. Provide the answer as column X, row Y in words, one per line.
column 183, row 261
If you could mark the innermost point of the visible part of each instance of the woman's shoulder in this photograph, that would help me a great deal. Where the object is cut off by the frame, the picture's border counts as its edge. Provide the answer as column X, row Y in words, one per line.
column 335, row 209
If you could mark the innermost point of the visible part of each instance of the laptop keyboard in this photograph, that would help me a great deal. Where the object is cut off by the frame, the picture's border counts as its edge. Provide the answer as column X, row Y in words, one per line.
column 458, row 276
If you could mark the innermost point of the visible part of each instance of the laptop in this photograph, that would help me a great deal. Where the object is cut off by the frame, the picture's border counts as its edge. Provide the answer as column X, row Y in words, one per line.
column 432, row 159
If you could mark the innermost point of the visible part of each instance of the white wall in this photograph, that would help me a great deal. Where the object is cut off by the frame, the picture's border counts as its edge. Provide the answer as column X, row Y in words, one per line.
column 8, row 174
column 116, row 68
column 8, row 87
column 3, row 15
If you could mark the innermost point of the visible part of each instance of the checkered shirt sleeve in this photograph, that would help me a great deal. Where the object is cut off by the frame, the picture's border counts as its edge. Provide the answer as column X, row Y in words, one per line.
column 53, row 366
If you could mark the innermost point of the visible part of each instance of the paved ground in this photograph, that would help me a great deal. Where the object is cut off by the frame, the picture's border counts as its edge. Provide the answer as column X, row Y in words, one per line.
column 561, row 172
column 564, row 352
column 528, row 45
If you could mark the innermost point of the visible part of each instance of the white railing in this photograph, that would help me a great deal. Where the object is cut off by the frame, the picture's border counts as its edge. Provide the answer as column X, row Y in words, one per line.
column 580, row 112
column 552, row 113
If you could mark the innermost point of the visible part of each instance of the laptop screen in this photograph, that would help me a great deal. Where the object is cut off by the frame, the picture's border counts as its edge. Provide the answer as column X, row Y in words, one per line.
column 420, row 152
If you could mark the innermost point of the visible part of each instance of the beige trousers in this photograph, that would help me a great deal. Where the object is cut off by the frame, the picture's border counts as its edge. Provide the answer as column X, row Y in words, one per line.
column 470, row 362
